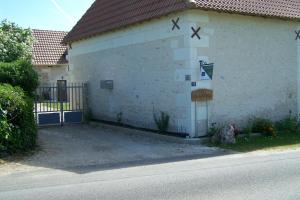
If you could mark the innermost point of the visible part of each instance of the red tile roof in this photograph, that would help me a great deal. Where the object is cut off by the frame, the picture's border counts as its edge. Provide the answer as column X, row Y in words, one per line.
column 48, row 48
column 289, row 9
column 107, row 15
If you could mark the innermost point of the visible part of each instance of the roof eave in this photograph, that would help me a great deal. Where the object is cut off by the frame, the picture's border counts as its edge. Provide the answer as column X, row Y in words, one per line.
column 247, row 14
column 67, row 41
column 190, row 4
column 49, row 64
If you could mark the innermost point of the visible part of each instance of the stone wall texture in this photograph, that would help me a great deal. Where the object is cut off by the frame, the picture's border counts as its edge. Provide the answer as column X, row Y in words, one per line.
column 255, row 75
column 256, row 67
column 50, row 75
column 148, row 64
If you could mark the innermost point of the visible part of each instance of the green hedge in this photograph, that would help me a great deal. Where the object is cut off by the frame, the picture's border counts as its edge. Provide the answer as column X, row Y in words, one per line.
column 18, row 130
column 19, row 73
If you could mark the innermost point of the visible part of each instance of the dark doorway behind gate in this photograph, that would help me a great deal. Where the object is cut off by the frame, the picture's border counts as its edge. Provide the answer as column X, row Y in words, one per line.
column 62, row 93
column 60, row 103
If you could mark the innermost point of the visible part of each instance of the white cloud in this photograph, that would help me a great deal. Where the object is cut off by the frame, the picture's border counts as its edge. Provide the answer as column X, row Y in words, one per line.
column 63, row 12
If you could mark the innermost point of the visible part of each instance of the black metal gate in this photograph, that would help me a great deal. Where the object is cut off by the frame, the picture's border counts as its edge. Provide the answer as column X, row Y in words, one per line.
column 57, row 104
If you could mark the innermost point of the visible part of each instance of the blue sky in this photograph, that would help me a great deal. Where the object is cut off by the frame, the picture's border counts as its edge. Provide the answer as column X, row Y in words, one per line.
column 44, row 14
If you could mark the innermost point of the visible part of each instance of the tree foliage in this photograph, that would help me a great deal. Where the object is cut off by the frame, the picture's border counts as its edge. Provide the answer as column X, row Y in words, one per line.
column 15, row 42
column 18, row 131
column 18, row 80
column 19, row 73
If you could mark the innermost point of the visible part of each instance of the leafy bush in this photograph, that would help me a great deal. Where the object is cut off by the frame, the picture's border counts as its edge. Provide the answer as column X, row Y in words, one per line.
column 265, row 126
column 289, row 124
column 214, row 133
column 162, row 122
column 18, row 131
column 248, row 130
column 214, row 129
column 15, row 42
column 120, row 117
column 19, row 73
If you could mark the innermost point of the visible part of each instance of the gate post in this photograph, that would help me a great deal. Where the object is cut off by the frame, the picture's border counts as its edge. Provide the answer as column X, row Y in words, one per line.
column 35, row 107
column 85, row 102
column 61, row 113
column 61, row 105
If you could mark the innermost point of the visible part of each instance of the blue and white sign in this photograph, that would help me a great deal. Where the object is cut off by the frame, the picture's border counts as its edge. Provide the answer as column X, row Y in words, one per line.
column 206, row 70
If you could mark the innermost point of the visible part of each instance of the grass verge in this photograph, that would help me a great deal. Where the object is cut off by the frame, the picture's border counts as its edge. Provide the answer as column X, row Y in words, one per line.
column 284, row 140
column 56, row 106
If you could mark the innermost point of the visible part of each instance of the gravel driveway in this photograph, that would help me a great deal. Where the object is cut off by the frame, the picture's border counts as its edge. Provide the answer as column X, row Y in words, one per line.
column 84, row 148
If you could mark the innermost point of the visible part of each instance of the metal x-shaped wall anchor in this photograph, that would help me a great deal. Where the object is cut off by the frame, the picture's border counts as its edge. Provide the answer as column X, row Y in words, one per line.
column 175, row 24
column 297, row 35
column 196, row 32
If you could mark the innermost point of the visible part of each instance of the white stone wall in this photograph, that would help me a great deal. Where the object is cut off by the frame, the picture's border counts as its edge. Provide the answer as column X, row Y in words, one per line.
column 256, row 65
column 50, row 74
column 298, row 72
column 148, row 63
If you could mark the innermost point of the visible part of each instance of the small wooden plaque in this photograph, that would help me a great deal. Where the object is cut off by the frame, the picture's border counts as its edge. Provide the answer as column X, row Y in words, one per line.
column 202, row 95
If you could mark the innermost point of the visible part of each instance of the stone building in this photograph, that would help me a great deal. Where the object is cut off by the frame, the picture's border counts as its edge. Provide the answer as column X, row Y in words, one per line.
column 50, row 56
column 143, row 57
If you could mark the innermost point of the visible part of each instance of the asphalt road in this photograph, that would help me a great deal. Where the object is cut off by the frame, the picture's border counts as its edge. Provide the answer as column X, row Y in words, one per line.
column 246, row 176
